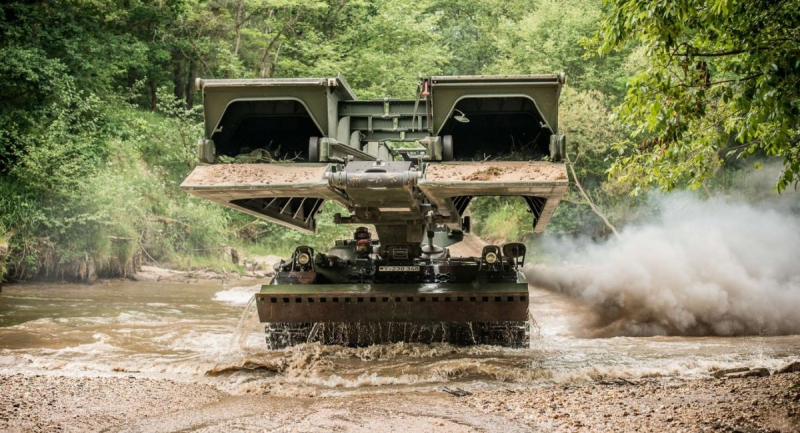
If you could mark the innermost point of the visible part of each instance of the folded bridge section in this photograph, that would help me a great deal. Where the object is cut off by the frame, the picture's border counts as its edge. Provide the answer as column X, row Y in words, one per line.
column 465, row 136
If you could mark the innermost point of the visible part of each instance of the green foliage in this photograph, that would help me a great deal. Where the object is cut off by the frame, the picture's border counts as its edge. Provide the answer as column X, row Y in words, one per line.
column 472, row 30
column 549, row 38
column 390, row 46
column 77, row 196
column 278, row 240
column 501, row 219
column 722, row 80
column 100, row 116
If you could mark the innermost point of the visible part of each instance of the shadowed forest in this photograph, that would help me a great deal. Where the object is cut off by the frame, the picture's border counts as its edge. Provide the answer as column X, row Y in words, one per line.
column 99, row 115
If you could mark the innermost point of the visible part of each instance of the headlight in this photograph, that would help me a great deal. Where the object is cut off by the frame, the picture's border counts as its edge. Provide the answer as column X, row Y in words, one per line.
column 491, row 258
column 303, row 258
column 363, row 246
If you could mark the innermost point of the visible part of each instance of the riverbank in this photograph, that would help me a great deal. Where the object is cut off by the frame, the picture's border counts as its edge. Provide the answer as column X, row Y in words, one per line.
column 251, row 270
column 768, row 404
column 241, row 267
column 68, row 403
column 255, row 268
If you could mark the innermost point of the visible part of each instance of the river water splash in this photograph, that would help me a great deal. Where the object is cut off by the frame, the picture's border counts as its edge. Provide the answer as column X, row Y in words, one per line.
column 208, row 333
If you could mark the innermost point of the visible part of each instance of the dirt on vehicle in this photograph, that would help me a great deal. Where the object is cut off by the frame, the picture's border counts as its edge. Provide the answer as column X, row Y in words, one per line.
column 253, row 174
column 495, row 171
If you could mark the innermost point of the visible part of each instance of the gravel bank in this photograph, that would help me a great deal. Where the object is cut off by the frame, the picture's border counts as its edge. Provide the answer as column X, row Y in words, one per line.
column 77, row 404
column 50, row 403
column 769, row 404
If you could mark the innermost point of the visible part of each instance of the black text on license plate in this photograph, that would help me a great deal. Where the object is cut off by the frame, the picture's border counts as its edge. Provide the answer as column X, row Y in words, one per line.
column 398, row 268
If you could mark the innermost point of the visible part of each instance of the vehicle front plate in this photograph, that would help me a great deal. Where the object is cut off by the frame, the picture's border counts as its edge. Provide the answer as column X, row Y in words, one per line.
column 398, row 269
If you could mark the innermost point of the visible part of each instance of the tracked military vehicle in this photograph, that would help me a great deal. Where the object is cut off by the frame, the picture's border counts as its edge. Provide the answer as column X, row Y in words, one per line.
column 406, row 168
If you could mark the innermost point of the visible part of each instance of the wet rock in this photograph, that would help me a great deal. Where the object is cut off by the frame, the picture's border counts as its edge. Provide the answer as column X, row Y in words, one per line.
column 230, row 255
column 617, row 382
column 457, row 392
column 756, row 372
column 793, row 367
column 719, row 374
column 91, row 271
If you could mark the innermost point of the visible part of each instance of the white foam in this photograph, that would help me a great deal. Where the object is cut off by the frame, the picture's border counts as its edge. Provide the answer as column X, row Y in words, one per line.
column 157, row 304
column 237, row 295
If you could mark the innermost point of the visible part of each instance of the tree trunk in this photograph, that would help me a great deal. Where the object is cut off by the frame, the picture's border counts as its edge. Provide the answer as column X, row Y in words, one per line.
column 190, row 85
column 272, row 68
column 263, row 72
column 588, row 199
column 179, row 80
column 237, row 22
column 153, row 95
column 266, row 60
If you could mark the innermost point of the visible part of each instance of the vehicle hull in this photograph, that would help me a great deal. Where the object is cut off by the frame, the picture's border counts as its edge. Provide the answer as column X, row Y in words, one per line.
column 418, row 303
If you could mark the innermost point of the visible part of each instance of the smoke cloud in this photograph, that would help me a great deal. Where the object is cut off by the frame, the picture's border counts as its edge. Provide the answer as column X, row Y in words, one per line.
column 717, row 267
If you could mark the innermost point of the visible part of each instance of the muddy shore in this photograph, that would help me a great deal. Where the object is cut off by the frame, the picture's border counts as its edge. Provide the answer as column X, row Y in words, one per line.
column 70, row 404
column 257, row 269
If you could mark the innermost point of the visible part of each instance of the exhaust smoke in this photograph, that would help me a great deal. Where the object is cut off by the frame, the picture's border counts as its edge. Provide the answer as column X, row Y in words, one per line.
column 716, row 267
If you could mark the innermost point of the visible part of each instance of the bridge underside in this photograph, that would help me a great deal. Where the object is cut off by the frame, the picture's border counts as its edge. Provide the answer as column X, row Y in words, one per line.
column 382, row 194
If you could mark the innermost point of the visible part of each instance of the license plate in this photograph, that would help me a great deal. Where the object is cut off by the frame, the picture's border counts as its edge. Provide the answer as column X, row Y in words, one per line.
column 398, row 268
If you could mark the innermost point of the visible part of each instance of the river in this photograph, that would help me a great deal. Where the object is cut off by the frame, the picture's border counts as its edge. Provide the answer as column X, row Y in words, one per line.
column 192, row 333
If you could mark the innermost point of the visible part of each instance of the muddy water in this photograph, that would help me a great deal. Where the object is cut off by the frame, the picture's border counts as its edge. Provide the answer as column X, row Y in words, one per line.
column 198, row 333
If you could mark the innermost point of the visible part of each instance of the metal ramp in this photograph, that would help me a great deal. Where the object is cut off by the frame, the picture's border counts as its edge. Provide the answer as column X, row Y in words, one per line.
column 287, row 194
column 451, row 186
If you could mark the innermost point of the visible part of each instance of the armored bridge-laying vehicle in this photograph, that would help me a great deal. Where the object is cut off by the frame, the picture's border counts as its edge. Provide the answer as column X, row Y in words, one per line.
column 408, row 168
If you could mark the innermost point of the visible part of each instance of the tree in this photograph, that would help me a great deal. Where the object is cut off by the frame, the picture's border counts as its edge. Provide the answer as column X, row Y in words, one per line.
column 472, row 29
column 722, row 80
column 548, row 38
column 390, row 43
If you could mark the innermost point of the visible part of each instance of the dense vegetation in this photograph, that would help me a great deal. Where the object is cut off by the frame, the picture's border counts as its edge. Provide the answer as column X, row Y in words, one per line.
column 721, row 81
column 99, row 114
